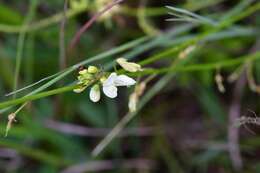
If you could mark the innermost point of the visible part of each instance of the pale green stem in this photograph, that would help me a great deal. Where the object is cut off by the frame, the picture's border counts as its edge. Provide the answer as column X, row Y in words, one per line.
column 36, row 96
column 20, row 44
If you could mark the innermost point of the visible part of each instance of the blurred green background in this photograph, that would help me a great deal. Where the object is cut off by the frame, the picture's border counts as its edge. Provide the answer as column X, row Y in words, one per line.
column 185, row 124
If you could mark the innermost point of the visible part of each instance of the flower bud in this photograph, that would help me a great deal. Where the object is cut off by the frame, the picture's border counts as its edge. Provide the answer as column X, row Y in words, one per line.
column 88, row 76
column 92, row 69
column 128, row 66
column 103, row 79
column 82, row 72
column 94, row 94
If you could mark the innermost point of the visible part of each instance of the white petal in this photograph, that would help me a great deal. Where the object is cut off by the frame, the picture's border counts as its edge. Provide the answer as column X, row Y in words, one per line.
column 110, row 91
column 128, row 66
column 94, row 94
column 123, row 80
column 110, row 80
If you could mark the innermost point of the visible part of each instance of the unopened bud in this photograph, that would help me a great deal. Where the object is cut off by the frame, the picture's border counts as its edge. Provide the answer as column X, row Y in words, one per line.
column 92, row 69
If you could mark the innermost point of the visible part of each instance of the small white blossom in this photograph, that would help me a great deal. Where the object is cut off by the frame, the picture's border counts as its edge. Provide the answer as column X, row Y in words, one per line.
column 94, row 94
column 128, row 66
column 110, row 91
column 123, row 80
column 113, row 81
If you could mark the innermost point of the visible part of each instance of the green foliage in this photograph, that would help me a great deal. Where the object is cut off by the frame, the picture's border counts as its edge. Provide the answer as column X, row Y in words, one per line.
column 180, row 58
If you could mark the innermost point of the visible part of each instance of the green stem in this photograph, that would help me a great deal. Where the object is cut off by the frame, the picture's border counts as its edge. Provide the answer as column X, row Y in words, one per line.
column 20, row 43
column 36, row 96
column 201, row 67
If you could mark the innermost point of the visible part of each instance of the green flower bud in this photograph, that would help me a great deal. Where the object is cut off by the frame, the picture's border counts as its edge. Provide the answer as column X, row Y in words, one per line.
column 92, row 69
column 87, row 76
column 86, row 82
column 82, row 72
column 103, row 79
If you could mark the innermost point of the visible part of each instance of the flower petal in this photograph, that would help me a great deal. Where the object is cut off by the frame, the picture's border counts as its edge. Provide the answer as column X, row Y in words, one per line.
column 94, row 94
column 110, row 80
column 123, row 80
column 110, row 91
column 128, row 66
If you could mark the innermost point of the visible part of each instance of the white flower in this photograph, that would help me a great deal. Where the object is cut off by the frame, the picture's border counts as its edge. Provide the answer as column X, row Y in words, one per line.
column 113, row 81
column 94, row 94
column 128, row 66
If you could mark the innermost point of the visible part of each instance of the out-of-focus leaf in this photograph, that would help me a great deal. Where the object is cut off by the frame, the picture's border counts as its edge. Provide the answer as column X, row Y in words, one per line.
column 93, row 113
column 210, row 103
column 9, row 16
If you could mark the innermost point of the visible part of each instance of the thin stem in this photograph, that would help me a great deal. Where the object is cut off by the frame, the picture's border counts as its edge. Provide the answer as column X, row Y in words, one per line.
column 36, row 96
column 62, row 37
column 20, row 44
column 144, row 24
column 201, row 67
column 91, row 21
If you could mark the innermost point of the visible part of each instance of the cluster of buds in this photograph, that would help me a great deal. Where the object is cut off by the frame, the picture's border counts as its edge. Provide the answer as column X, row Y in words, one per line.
column 109, row 81
column 87, row 77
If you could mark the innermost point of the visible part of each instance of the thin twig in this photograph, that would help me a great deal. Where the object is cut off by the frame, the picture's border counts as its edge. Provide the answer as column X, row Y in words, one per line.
column 233, row 132
column 20, row 43
column 62, row 37
column 91, row 21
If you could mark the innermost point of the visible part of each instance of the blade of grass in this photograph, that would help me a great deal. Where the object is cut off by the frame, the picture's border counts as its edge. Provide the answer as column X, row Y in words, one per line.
column 194, row 15
column 20, row 43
